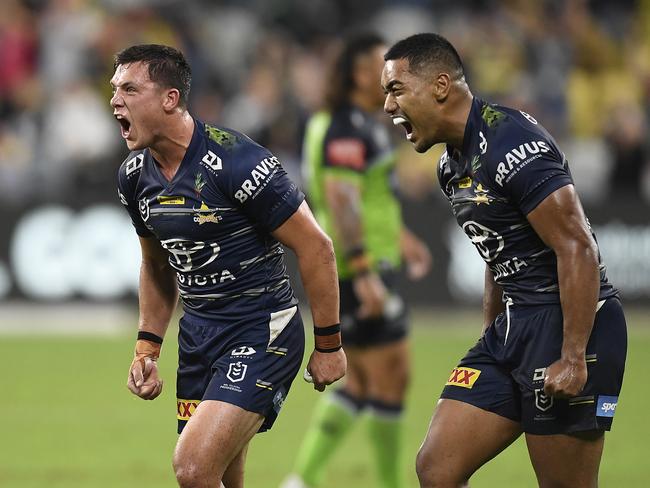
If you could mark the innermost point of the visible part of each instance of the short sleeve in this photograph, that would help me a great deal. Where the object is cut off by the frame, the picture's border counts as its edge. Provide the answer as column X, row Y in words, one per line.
column 345, row 147
column 127, row 175
column 529, row 171
column 262, row 188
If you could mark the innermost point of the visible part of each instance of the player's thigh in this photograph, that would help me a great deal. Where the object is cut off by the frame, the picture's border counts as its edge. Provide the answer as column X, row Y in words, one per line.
column 215, row 434
column 387, row 368
column 461, row 438
column 566, row 460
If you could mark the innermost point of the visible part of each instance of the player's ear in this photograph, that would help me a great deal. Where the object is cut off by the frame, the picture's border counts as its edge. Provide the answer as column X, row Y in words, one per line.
column 441, row 87
column 171, row 99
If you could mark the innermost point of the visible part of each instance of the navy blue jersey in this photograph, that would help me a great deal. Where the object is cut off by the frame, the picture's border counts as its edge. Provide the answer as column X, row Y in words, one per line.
column 214, row 218
column 507, row 166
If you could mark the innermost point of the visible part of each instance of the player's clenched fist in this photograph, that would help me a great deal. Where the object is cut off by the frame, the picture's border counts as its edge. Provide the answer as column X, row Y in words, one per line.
column 565, row 378
column 143, row 379
column 325, row 368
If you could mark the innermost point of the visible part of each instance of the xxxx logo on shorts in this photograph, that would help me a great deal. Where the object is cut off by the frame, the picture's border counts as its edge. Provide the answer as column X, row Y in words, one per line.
column 465, row 377
column 185, row 408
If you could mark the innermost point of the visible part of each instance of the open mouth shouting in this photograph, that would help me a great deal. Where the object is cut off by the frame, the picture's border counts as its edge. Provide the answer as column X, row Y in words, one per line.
column 125, row 125
column 403, row 121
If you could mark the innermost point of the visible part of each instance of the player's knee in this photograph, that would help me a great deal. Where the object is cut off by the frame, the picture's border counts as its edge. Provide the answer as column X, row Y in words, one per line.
column 190, row 474
column 433, row 473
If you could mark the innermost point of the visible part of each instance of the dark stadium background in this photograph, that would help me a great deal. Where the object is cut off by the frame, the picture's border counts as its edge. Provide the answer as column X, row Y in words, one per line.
column 69, row 258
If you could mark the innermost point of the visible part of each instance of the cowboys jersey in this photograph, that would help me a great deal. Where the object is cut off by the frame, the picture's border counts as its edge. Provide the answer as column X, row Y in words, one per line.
column 508, row 164
column 214, row 218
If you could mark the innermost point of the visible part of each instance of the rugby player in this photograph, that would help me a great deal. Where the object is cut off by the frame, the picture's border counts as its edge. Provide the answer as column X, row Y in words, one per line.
column 551, row 356
column 211, row 207
column 350, row 162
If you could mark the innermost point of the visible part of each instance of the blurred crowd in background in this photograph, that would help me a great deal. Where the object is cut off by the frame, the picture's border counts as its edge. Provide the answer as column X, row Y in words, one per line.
column 582, row 68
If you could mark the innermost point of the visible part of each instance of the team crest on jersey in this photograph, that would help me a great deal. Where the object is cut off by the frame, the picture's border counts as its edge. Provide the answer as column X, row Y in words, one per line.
column 206, row 215
column 481, row 195
column 199, row 183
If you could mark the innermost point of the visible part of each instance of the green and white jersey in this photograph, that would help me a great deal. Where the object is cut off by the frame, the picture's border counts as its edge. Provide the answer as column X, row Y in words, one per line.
column 352, row 145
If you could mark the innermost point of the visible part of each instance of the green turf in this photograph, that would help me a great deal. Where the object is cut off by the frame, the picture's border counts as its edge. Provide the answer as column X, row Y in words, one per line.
column 70, row 422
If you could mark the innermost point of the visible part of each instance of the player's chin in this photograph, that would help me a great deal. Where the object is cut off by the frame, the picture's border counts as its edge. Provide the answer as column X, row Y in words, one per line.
column 420, row 145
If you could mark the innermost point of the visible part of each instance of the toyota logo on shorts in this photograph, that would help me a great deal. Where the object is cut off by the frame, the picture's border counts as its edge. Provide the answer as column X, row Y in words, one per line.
column 487, row 241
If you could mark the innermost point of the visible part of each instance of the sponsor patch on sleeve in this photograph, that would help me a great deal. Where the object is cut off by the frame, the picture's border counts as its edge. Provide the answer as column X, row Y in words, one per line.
column 463, row 377
column 347, row 152
column 606, row 406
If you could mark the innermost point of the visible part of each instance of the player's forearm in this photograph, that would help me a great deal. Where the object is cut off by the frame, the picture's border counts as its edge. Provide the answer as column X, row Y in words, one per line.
column 317, row 266
column 492, row 299
column 579, row 281
column 158, row 296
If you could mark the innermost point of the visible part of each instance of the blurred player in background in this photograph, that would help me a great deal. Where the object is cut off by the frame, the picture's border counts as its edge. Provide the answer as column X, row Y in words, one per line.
column 211, row 207
column 551, row 357
column 350, row 164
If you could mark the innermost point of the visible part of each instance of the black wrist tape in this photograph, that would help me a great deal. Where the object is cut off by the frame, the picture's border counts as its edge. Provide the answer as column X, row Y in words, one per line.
column 325, row 331
column 149, row 336
column 331, row 349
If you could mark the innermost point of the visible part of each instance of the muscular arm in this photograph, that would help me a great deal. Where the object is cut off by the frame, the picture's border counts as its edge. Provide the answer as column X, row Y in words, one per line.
column 560, row 222
column 158, row 297
column 158, row 290
column 317, row 266
column 492, row 299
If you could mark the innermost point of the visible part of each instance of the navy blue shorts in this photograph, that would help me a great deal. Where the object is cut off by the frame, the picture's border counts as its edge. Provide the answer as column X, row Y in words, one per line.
column 250, row 362
column 391, row 327
column 504, row 372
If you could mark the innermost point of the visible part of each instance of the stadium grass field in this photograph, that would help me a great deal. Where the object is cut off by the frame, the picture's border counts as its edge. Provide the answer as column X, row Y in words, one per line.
column 69, row 421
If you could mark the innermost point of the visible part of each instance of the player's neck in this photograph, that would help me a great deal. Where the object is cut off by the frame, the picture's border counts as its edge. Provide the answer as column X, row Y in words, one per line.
column 171, row 144
column 457, row 119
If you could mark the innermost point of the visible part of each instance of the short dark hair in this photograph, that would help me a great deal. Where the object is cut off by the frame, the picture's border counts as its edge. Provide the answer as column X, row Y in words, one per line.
column 167, row 66
column 341, row 78
column 424, row 51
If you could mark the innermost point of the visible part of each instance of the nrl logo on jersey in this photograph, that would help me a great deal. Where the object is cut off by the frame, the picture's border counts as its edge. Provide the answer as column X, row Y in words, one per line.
column 143, row 206
column 206, row 215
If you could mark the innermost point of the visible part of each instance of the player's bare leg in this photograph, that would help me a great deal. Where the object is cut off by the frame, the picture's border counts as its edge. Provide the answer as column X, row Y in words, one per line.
column 566, row 460
column 355, row 378
column 234, row 474
column 387, row 370
column 214, row 437
column 461, row 438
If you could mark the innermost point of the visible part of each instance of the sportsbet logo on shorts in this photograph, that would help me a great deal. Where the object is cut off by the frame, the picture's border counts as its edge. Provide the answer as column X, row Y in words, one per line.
column 465, row 377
